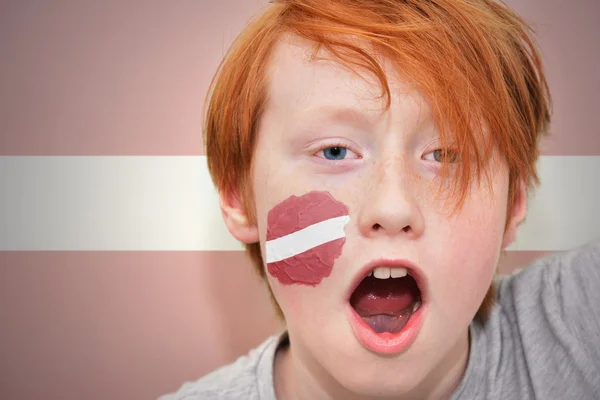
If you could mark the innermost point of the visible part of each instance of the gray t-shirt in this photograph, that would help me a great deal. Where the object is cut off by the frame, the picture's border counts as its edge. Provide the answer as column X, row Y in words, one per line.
column 542, row 341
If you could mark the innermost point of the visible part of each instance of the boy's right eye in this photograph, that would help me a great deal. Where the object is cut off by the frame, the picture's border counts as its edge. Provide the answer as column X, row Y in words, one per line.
column 336, row 153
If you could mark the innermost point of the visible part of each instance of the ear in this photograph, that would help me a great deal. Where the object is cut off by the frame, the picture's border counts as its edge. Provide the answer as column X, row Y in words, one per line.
column 235, row 218
column 516, row 215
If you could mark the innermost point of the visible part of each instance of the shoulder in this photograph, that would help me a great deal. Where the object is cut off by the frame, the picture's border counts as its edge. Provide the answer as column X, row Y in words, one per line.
column 237, row 380
column 559, row 271
column 557, row 298
column 541, row 340
column 567, row 279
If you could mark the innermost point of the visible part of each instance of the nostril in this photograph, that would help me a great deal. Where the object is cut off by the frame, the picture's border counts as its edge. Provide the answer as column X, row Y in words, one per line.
column 406, row 228
column 376, row 227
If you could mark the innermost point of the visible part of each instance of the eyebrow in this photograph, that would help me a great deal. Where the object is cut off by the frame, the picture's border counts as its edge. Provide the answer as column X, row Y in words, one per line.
column 352, row 115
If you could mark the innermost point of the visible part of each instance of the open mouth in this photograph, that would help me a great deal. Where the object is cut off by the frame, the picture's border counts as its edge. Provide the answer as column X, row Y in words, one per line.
column 386, row 299
column 387, row 307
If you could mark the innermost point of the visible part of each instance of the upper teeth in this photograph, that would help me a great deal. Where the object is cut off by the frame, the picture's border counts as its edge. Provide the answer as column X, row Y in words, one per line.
column 387, row 272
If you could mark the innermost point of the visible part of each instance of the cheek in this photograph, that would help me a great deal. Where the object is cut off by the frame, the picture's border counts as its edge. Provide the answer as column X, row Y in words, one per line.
column 473, row 249
column 305, row 235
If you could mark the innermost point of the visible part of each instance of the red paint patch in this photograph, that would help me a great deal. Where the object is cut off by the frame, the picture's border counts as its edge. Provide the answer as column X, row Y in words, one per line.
column 296, row 213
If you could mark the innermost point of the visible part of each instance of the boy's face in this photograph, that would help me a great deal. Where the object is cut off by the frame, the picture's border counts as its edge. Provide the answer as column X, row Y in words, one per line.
column 323, row 130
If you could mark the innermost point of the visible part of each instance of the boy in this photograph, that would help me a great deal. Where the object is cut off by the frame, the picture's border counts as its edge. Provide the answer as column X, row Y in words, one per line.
column 374, row 157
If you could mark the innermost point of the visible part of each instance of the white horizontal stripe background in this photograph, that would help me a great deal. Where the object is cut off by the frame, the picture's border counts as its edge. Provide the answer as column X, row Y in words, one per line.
column 169, row 203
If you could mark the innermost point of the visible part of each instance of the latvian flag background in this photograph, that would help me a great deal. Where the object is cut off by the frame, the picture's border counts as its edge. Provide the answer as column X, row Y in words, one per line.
column 118, row 279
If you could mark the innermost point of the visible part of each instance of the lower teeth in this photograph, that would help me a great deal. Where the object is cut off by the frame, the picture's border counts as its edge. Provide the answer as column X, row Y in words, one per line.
column 416, row 306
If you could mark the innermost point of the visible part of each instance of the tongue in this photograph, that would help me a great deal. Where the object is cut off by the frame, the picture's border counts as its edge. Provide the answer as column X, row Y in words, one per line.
column 385, row 304
column 388, row 323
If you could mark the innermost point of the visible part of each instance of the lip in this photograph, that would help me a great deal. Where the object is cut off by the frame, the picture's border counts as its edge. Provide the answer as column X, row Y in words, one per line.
column 388, row 343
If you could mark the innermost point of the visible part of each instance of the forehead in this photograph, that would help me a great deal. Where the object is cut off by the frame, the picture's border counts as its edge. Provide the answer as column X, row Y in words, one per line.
column 300, row 81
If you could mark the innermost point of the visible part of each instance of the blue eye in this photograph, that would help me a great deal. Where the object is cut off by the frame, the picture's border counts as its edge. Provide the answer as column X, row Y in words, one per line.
column 335, row 153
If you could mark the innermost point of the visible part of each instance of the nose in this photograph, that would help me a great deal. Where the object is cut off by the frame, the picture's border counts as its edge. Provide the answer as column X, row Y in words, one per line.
column 390, row 205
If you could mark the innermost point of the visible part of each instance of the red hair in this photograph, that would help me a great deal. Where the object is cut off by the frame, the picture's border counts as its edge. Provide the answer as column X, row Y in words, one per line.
column 475, row 62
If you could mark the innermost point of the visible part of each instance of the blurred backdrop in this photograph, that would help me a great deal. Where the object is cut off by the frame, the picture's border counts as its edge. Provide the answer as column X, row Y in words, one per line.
column 118, row 279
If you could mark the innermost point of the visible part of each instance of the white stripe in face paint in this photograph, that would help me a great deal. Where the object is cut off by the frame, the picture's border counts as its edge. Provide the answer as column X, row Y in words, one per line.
column 305, row 239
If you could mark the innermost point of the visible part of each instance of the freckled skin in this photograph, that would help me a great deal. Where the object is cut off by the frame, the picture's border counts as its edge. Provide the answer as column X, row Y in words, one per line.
column 387, row 183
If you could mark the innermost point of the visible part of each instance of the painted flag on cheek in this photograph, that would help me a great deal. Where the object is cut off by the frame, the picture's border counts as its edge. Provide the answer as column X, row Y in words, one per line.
column 305, row 235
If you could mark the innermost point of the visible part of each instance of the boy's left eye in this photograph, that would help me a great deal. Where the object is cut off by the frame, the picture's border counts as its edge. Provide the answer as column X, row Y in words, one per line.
column 442, row 156
column 336, row 153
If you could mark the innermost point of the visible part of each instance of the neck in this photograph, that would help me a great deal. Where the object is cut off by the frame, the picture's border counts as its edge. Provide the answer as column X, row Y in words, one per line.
column 299, row 379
